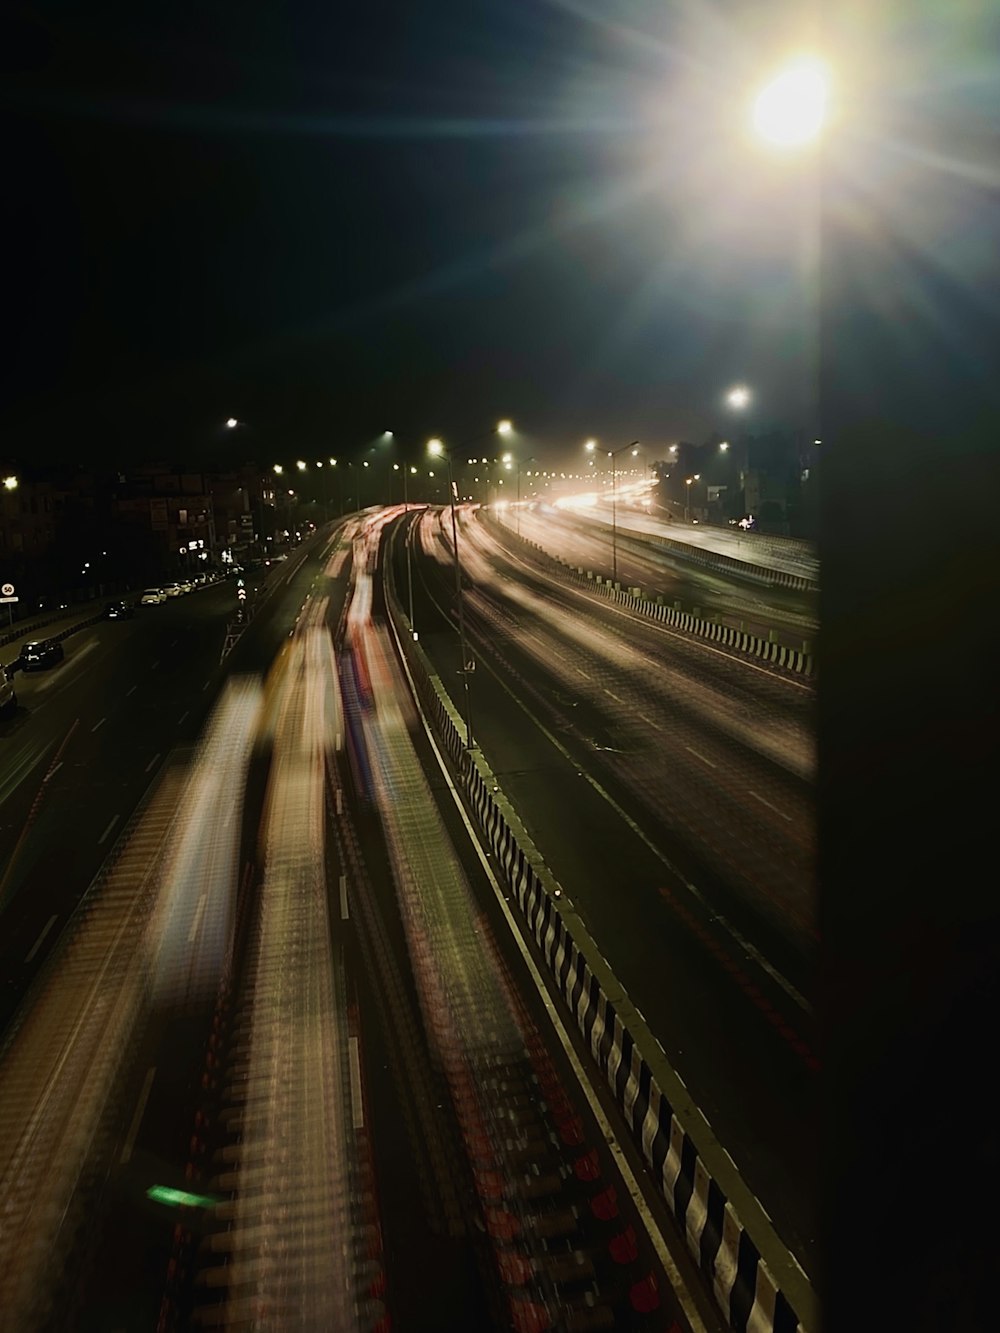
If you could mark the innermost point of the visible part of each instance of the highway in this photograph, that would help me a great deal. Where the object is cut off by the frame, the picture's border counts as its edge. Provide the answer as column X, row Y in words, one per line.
column 670, row 787
column 287, row 1059
column 786, row 554
column 791, row 614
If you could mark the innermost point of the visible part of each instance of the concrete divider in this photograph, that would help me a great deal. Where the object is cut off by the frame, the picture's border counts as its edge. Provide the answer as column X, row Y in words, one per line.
column 755, row 1281
column 803, row 663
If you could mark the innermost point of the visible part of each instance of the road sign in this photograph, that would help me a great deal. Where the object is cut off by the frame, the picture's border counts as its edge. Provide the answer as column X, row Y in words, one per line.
column 7, row 590
column 10, row 599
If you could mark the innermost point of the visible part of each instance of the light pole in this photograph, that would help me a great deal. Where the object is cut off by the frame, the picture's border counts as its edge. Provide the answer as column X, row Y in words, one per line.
column 613, row 454
column 509, row 461
column 438, row 450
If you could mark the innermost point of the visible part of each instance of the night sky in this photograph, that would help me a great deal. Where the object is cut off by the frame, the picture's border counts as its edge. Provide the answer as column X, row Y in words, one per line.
column 330, row 220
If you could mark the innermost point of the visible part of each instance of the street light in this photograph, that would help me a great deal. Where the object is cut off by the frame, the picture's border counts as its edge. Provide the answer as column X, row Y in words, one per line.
column 10, row 483
column 738, row 396
column 789, row 111
column 231, row 423
column 278, row 469
column 437, row 449
column 300, row 465
column 613, row 454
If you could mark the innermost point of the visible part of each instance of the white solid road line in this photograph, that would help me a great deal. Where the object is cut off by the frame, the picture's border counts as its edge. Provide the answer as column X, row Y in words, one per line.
column 770, row 806
column 673, row 1274
column 38, row 943
column 357, row 1102
column 198, row 914
column 701, row 757
column 152, row 761
column 114, row 821
column 343, row 898
column 140, row 1108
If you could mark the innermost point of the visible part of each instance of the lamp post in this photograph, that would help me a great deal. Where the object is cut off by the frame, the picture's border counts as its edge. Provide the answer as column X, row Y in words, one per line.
column 438, row 450
column 613, row 454
column 509, row 461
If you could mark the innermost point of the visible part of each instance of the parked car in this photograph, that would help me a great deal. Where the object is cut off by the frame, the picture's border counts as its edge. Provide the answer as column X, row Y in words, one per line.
column 185, row 586
column 152, row 597
column 41, row 653
column 119, row 611
column 172, row 589
column 8, row 698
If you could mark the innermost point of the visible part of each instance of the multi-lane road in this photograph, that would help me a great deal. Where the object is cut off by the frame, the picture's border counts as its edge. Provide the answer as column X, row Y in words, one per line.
column 669, row 784
column 290, row 1013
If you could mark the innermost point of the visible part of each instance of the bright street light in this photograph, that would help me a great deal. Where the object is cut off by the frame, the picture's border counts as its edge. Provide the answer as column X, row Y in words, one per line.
column 278, row 469
column 790, row 109
column 435, row 447
column 387, row 435
column 300, row 465
column 738, row 396
column 10, row 483
column 590, row 446
column 724, row 445
column 232, row 423
column 504, row 427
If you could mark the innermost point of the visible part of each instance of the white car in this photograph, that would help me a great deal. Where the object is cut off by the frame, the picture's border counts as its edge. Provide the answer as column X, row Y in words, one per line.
column 172, row 589
column 186, row 587
column 152, row 597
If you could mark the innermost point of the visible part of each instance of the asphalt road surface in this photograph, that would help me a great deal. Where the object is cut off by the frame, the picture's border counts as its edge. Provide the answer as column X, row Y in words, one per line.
column 669, row 786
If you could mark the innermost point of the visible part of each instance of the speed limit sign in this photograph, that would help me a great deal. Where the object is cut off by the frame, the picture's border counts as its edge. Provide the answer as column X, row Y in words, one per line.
column 7, row 590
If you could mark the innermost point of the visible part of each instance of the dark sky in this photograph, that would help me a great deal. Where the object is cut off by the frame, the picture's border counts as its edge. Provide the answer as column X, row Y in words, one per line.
column 333, row 219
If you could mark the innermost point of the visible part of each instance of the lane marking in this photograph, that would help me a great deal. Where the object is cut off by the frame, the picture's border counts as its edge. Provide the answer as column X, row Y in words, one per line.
column 771, row 807
column 38, row 943
column 765, row 965
column 52, row 772
column 205, row 686
column 613, row 695
column 155, row 665
column 114, row 821
column 152, row 761
column 649, row 722
column 661, row 626
column 140, row 1109
column 357, row 1105
column 131, row 691
column 343, row 898
column 670, row 1267
column 100, row 724
column 183, row 716
column 198, row 914
column 701, row 757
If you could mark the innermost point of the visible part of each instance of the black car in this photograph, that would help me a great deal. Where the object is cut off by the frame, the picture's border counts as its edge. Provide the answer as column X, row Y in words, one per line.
column 119, row 611
column 41, row 653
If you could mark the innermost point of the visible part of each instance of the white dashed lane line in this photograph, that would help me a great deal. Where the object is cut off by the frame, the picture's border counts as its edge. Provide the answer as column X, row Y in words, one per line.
column 114, row 821
column 771, row 807
column 701, row 757
column 152, row 761
column 38, row 943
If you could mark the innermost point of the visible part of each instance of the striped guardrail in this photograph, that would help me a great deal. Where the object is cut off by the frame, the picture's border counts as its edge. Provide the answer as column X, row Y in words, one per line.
column 756, row 1282
column 799, row 660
